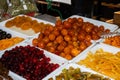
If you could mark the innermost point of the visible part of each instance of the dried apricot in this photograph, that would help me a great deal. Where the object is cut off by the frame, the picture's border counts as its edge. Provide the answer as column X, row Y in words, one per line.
column 25, row 26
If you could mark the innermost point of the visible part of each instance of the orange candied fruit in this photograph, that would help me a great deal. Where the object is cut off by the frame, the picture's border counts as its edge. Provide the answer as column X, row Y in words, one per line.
column 114, row 41
column 26, row 22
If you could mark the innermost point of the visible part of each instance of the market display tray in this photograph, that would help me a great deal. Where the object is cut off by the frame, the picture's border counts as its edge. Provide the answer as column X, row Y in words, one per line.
column 28, row 32
column 53, row 59
column 74, row 65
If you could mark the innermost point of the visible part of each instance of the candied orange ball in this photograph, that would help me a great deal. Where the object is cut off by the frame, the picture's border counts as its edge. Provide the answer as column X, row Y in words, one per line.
column 51, row 37
column 45, row 40
column 41, row 44
column 60, row 48
column 62, row 54
column 67, row 50
column 49, row 44
column 59, row 39
column 52, row 49
column 83, row 46
column 58, row 22
column 35, row 41
column 68, row 57
column 67, row 38
column 75, row 52
column 64, row 32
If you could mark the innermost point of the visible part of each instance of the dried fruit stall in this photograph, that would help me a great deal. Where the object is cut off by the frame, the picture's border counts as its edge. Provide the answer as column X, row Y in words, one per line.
column 49, row 48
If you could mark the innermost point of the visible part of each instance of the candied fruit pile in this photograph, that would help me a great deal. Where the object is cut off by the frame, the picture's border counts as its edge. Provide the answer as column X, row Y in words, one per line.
column 28, row 61
column 76, row 74
column 69, row 38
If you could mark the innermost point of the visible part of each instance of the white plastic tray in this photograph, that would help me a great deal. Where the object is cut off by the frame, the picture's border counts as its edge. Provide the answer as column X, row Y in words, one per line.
column 118, row 30
column 54, row 59
column 25, row 32
column 74, row 65
column 15, row 76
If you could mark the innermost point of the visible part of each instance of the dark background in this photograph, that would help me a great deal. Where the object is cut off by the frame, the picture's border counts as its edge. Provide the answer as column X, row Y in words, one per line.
column 87, row 8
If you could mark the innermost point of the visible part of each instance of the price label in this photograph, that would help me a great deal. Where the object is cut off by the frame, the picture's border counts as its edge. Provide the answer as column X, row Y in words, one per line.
column 63, row 1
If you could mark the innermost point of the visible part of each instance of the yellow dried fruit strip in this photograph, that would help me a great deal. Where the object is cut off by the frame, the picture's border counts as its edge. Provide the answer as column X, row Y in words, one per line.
column 106, row 63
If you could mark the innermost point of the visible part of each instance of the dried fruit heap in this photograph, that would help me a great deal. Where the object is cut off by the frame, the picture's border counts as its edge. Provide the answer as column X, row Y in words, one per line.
column 6, row 43
column 76, row 74
column 28, row 61
column 114, row 41
column 26, row 23
column 104, row 62
column 68, row 38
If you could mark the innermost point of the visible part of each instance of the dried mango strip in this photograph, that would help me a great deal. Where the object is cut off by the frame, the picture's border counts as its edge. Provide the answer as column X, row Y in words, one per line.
column 104, row 62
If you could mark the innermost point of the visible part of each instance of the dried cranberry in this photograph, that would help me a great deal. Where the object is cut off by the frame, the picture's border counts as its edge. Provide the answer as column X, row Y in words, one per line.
column 28, row 61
